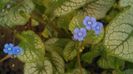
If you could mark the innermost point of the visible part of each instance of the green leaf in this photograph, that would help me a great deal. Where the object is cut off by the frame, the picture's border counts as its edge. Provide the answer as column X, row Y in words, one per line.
column 92, row 38
column 119, row 36
column 51, row 41
column 56, row 60
column 70, row 51
column 128, row 65
column 45, row 33
column 77, row 71
column 128, row 71
column 108, row 62
column 99, row 8
column 33, row 47
column 70, row 6
column 51, row 5
column 56, row 44
column 112, row 72
column 124, row 3
column 3, row 3
column 77, row 21
column 39, row 67
column 89, row 56
column 63, row 21
column 17, row 14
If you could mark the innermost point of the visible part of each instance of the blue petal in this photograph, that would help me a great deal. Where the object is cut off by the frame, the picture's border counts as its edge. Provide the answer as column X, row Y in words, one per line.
column 97, row 30
column 17, row 50
column 10, row 52
column 100, row 24
column 6, row 45
column 5, row 50
column 93, row 19
column 75, row 37
column 11, row 45
column 76, row 30
column 88, row 27
column 83, row 30
column 86, row 19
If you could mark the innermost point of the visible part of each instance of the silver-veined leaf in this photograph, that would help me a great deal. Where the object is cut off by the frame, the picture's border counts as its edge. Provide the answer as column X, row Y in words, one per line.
column 124, row 3
column 108, row 62
column 119, row 36
column 69, row 6
column 39, row 67
column 99, row 8
column 70, row 51
column 33, row 47
column 56, row 60
column 17, row 14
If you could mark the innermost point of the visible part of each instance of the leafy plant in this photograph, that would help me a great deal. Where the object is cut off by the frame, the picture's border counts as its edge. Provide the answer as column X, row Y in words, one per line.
column 69, row 36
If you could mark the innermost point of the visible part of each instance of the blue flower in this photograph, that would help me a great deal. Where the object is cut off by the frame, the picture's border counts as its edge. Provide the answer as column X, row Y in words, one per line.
column 97, row 28
column 17, row 50
column 8, row 48
column 88, row 22
column 79, row 34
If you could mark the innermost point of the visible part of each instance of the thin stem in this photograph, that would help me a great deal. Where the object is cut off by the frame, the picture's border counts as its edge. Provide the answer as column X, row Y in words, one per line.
column 5, row 58
column 78, row 58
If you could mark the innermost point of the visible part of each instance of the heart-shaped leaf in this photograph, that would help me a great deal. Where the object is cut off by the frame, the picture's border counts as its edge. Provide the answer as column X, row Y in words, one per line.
column 56, row 60
column 70, row 51
column 39, row 67
column 99, row 8
column 69, row 6
column 18, row 13
column 33, row 47
column 119, row 36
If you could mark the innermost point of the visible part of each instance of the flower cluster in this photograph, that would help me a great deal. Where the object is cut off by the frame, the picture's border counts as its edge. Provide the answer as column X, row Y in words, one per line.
column 10, row 49
column 90, row 24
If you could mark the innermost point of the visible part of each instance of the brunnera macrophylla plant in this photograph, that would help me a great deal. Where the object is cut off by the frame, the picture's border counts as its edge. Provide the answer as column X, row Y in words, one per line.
column 70, row 36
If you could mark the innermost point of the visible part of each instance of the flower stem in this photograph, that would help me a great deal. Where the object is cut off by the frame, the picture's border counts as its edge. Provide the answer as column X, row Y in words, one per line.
column 78, row 58
column 6, row 57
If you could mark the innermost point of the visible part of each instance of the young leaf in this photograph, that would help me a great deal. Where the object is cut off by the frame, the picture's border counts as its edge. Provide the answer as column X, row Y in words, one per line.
column 110, row 62
column 33, row 47
column 51, row 41
column 69, row 6
column 119, row 36
column 77, row 21
column 99, row 8
column 69, row 51
column 17, row 14
column 89, row 56
column 39, row 67
column 56, row 60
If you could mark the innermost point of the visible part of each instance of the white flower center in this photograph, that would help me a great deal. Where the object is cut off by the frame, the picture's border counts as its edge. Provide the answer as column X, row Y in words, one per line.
column 89, row 22
column 97, row 27
column 9, row 48
column 79, row 34
column 17, row 50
